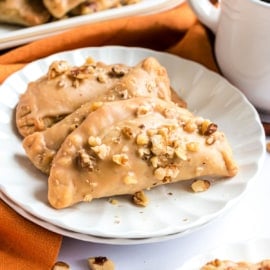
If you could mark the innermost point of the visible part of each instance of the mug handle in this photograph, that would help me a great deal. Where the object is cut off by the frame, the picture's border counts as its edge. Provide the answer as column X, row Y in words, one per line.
column 206, row 12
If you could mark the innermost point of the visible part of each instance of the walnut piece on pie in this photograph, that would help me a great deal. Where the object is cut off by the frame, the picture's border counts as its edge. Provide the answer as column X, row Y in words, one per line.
column 61, row 266
column 100, row 263
column 131, row 145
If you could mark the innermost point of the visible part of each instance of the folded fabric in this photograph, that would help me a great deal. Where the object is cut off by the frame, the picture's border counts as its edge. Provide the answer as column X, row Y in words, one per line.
column 176, row 31
column 25, row 245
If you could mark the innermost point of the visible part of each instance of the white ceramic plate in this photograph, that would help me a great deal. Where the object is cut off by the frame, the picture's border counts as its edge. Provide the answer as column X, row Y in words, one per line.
column 252, row 250
column 11, row 36
column 89, row 237
column 207, row 94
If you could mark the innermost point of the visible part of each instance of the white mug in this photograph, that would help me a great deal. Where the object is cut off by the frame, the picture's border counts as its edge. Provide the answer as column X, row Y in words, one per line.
column 242, row 45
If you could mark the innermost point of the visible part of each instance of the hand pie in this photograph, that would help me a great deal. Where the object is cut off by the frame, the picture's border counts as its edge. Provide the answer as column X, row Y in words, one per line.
column 23, row 12
column 59, row 8
column 91, row 6
column 127, row 146
column 231, row 265
column 64, row 89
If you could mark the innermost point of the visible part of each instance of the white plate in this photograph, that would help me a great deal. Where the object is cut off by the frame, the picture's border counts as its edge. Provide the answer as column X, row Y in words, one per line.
column 207, row 94
column 88, row 237
column 252, row 250
column 11, row 36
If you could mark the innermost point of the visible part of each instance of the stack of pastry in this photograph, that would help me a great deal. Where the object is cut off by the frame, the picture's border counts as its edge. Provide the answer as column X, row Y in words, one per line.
column 101, row 130
column 35, row 12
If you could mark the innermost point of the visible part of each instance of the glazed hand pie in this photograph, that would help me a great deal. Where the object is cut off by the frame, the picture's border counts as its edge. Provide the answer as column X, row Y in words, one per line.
column 130, row 145
column 231, row 265
column 64, row 89
column 41, row 146
column 21, row 12
column 92, row 6
column 59, row 8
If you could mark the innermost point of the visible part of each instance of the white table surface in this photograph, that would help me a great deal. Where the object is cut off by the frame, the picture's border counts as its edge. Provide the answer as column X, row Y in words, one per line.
column 249, row 218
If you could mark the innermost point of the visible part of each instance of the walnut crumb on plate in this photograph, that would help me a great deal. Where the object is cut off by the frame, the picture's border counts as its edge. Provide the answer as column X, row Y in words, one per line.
column 100, row 263
column 61, row 266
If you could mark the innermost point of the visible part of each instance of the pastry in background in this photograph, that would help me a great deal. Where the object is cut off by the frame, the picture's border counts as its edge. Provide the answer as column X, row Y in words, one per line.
column 218, row 264
column 23, row 12
column 60, row 8
column 92, row 6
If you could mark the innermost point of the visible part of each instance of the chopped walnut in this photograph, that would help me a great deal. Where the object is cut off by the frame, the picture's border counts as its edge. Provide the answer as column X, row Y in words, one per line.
column 190, row 126
column 100, row 263
column 180, row 152
column 159, row 144
column 200, row 185
column 142, row 139
column 160, row 173
column 192, row 146
column 139, row 198
column 127, row 132
column 87, row 198
column 120, row 159
column 113, row 201
column 208, row 128
column 143, row 110
column 166, row 173
column 86, row 161
column 118, row 71
column 155, row 161
column 60, row 266
column 130, row 179
column 102, row 151
column 82, row 72
column 57, row 68
column 89, row 61
column 144, row 153
column 101, row 78
column 94, row 141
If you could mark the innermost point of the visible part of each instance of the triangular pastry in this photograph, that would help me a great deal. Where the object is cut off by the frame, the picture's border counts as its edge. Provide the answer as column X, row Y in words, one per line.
column 127, row 146
column 64, row 89
column 23, row 12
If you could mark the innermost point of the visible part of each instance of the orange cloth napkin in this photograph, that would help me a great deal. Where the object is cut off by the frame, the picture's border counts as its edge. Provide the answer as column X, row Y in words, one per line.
column 175, row 31
column 24, row 245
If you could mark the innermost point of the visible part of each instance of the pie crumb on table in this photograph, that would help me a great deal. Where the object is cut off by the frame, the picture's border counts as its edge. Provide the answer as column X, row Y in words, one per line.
column 100, row 263
column 61, row 266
